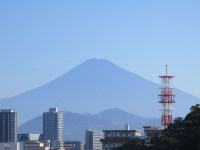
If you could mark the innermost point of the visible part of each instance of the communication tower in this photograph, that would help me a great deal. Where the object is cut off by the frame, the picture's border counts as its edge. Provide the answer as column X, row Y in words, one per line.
column 166, row 98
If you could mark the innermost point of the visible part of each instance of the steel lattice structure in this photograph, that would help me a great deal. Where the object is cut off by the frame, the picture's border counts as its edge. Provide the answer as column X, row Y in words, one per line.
column 166, row 98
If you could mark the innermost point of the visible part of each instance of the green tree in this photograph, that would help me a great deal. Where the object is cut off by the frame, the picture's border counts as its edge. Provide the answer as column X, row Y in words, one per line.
column 182, row 134
column 191, row 123
column 133, row 145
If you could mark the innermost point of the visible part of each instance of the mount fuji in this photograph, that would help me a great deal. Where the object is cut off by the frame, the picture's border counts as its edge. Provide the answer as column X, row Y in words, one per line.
column 94, row 86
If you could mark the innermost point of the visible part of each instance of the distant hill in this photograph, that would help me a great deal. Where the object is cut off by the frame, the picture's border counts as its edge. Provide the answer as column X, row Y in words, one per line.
column 93, row 86
column 119, row 117
column 76, row 124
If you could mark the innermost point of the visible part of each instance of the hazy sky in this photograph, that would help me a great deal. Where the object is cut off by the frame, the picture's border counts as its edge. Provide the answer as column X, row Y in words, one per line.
column 42, row 39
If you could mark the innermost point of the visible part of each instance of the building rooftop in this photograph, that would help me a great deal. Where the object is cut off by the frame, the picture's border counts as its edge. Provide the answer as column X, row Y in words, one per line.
column 121, row 130
column 54, row 109
column 155, row 127
column 6, row 110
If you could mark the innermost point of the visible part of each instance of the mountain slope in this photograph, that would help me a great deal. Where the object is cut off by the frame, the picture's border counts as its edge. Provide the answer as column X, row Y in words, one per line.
column 75, row 124
column 93, row 86
column 120, row 117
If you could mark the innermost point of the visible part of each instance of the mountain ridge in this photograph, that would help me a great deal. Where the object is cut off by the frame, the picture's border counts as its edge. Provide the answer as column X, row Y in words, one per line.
column 93, row 86
column 76, row 124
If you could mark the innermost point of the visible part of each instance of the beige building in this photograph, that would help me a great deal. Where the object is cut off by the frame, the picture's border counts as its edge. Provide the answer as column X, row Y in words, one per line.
column 35, row 146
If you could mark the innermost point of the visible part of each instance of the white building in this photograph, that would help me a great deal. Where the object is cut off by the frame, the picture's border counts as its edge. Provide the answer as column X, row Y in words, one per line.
column 116, row 138
column 29, row 137
column 92, row 140
column 12, row 146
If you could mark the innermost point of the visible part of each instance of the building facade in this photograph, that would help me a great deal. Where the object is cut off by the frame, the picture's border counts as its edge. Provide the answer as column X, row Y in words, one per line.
column 35, row 146
column 29, row 137
column 92, row 140
column 8, row 126
column 74, row 145
column 149, row 132
column 116, row 138
column 53, row 127
column 12, row 146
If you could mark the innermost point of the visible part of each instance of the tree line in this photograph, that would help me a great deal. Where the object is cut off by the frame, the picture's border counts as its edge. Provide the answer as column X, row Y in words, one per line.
column 182, row 134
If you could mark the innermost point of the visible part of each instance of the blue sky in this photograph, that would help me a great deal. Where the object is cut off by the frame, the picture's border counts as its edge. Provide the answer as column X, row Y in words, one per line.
column 42, row 39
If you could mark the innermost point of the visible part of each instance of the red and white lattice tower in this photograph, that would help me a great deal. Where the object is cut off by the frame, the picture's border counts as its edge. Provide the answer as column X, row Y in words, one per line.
column 166, row 98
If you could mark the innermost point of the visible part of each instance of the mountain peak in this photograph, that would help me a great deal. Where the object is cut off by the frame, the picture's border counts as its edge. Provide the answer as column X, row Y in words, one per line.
column 97, row 63
column 97, row 60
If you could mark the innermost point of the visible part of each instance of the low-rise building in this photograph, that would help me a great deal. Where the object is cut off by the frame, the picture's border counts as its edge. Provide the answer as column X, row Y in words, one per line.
column 116, row 138
column 35, row 146
column 74, row 145
column 12, row 146
column 56, row 149
column 149, row 132
column 29, row 137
